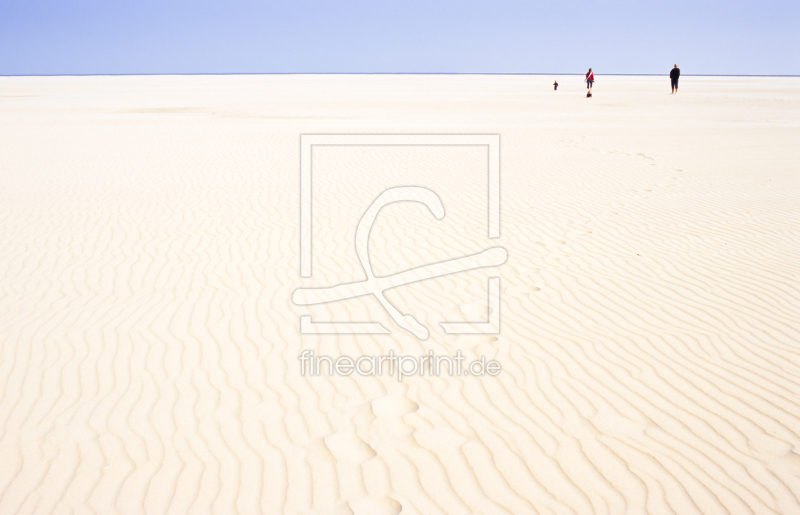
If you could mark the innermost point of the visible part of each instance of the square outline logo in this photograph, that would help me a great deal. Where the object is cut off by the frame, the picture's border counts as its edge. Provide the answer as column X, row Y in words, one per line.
column 376, row 285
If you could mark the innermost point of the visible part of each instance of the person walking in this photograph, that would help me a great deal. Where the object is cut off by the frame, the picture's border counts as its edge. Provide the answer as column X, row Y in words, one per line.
column 555, row 86
column 589, row 79
column 674, row 75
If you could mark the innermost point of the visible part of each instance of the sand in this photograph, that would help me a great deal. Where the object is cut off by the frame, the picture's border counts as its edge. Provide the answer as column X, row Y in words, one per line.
column 650, row 329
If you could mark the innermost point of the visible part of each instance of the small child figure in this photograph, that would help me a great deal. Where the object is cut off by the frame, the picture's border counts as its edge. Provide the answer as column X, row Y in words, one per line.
column 555, row 86
column 589, row 94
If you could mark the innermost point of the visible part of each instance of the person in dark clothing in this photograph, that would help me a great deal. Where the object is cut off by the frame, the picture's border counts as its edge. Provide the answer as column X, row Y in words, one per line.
column 555, row 86
column 674, row 75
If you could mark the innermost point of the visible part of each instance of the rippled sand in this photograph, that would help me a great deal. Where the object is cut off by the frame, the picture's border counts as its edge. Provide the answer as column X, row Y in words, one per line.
column 650, row 341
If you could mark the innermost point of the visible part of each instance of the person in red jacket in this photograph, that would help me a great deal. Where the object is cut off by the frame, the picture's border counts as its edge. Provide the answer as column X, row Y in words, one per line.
column 589, row 79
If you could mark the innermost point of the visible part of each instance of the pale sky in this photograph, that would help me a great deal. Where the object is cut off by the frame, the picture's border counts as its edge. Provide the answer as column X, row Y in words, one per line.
column 411, row 36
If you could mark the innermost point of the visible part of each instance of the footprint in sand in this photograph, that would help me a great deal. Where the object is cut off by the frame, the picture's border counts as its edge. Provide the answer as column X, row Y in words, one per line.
column 349, row 448
column 372, row 505
column 393, row 406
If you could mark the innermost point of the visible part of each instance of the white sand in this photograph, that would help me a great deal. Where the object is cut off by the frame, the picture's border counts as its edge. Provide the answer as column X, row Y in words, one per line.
column 650, row 337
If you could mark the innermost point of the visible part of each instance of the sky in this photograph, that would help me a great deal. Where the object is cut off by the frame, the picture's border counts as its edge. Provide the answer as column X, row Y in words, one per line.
column 708, row 37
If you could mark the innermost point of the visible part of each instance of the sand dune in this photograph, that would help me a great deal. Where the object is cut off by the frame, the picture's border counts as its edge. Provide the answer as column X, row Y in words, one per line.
column 650, row 340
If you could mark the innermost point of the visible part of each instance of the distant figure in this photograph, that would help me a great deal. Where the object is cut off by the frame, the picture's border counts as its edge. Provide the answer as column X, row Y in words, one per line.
column 674, row 75
column 589, row 79
column 555, row 86
column 589, row 94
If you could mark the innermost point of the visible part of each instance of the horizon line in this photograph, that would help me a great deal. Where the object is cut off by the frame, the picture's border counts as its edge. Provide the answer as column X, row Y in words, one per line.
column 381, row 73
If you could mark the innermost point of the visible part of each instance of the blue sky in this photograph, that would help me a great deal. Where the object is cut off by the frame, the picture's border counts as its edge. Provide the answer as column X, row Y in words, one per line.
column 304, row 36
